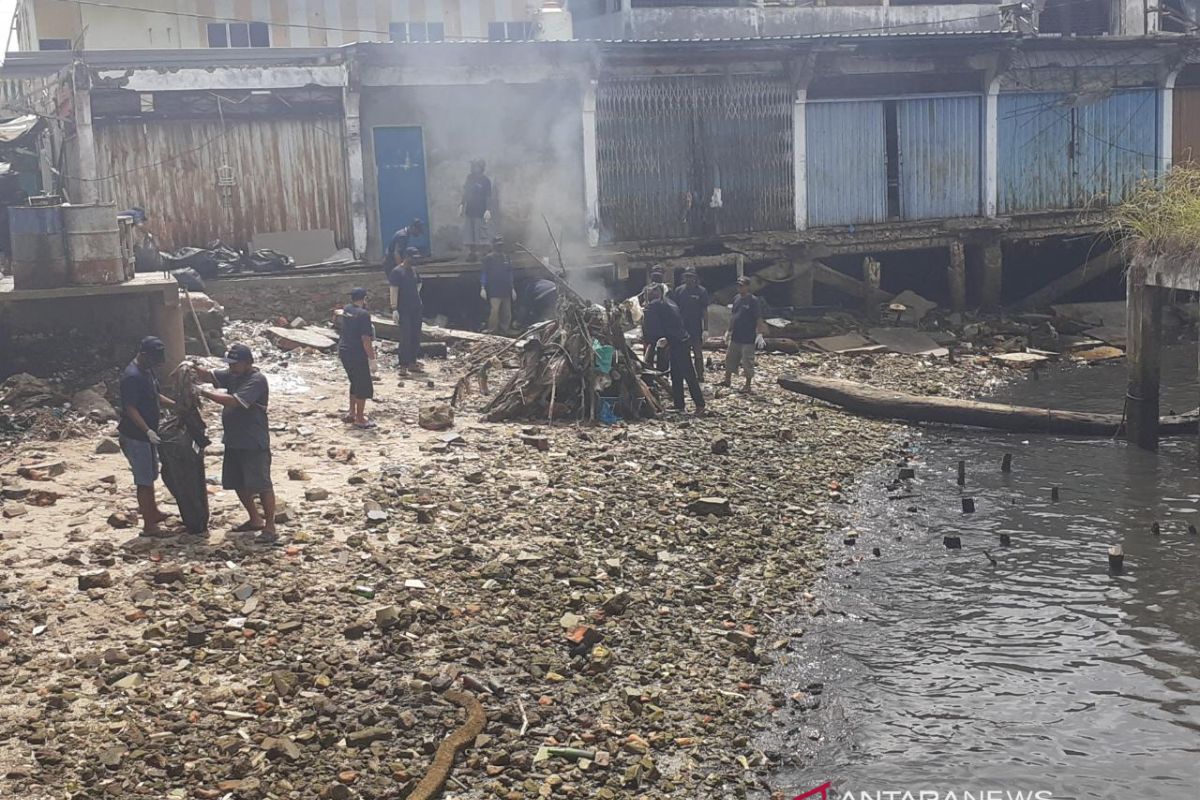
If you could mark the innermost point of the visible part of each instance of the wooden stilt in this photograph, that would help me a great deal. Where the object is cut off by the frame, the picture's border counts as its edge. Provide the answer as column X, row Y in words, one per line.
column 1143, row 310
column 993, row 274
column 871, row 277
column 957, row 277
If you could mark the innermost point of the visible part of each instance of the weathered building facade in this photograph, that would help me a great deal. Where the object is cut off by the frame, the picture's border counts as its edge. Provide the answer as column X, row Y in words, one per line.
column 936, row 151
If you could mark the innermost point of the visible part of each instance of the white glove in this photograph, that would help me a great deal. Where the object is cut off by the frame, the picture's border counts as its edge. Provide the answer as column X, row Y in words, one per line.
column 487, row 216
column 483, row 293
column 759, row 342
column 396, row 317
column 154, row 438
column 514, row 295
column 373, row 366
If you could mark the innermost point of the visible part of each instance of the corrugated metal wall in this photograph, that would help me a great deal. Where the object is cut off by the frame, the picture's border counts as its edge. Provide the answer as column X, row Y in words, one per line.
column 1116, row 145
column 1056, row 152
column 665, row 143
column 846, row 163
column 290, row 174
column 940, row 157
column 1033, row 167
column 1185, row 137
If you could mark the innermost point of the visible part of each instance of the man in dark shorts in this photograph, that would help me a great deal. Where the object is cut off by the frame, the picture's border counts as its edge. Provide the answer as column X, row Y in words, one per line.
column 356, row 348
column 247, row 438
column 141, row 403
column 406, row 312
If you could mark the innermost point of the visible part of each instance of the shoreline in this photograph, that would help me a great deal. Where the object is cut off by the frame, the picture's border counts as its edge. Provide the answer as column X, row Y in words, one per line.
column 572, row 591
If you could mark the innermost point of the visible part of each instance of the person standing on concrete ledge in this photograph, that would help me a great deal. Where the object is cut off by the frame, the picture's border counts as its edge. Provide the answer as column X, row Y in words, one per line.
column 141, row 404
column 356, row 349
column 244, row 399
column 476, row 209
column 406, row 312
column 496, row 277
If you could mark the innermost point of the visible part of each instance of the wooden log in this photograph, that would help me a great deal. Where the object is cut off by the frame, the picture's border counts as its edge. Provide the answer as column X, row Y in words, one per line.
column 1143, row 309
column 884, row 404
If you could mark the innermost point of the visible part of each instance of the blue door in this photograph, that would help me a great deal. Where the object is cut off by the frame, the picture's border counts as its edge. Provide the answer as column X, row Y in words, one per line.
column 400, row 172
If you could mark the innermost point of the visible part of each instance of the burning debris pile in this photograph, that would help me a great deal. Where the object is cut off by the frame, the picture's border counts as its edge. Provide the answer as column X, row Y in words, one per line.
column 577, row 365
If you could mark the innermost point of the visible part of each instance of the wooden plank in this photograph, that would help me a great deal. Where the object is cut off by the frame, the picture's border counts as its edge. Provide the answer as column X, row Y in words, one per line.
column 844, row 283
column 1077, row 278
column 386, row 329
column 884, row 404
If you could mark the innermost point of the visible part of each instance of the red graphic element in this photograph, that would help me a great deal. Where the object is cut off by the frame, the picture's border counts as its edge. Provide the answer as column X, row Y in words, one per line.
column 821, row 790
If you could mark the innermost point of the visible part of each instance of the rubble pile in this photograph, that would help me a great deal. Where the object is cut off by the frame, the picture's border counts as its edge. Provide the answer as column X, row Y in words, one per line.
column 34, row 408
column 568, row 368
column 613, row 597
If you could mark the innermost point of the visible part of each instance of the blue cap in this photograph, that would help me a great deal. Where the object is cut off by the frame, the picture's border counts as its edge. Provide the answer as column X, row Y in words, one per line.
column 152, row 345
column 239, row 353
column 358, row 293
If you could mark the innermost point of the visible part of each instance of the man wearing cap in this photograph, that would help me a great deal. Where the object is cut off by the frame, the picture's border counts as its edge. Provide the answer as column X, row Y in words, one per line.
column 496, row 278
column 664, row 330
column 400, row 244
column 244, row 399
column 475, row 208
column 406, row 311
column 356, row 349
column 745, row 334
column 692, row 300
column 141, row 403
column 656, row 357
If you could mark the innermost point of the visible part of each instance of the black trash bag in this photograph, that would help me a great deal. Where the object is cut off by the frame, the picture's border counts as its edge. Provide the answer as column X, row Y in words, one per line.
column 189, row 279
column 268, row 261
column 182, row 456
column 203, row 261
column 146, row 257
column 223, row 252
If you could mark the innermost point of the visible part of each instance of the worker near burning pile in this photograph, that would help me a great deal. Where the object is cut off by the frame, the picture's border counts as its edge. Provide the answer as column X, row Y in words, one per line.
column 692, row 300
column 244, row 398
column 663, row 329
column 141, row 404
column 496, row 286
column 406, row 312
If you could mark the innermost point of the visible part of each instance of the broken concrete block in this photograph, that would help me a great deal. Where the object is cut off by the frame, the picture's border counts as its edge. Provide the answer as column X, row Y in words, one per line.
column 107, row 447
column 95, row 580
column 287, row 339
column 717, row 506
column 436, row 417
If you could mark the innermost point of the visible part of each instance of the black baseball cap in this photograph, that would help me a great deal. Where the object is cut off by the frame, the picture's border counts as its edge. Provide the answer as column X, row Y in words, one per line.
column 744, row 280
column 690, row 271
column 239, row 353
column 152, row 345
column 358, row 293
column 412, row 251
column 657, row 269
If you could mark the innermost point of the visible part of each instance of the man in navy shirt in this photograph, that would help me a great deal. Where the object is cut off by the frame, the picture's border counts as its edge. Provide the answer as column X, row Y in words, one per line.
column 663, row 330
column 356, row 349
column 406, row 312
column 244, row 398
column 400, row 244
column 141, row 402
column 476, row 208
column 692, row 300
column 496, row 277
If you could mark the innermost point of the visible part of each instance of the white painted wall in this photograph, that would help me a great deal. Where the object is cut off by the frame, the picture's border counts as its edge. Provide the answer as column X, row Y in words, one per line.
column 294, row 23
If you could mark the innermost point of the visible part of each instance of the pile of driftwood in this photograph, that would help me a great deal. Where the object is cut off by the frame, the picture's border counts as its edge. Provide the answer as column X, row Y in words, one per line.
column 560, row 371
